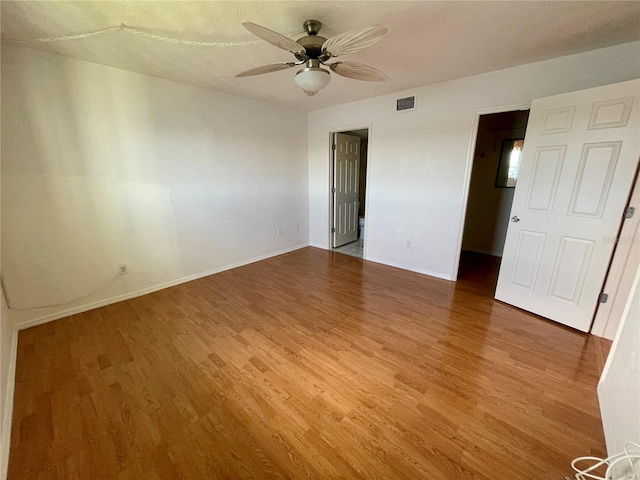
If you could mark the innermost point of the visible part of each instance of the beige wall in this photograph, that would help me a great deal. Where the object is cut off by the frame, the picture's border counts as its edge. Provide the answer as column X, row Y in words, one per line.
column 6, row 375
column 6, row 384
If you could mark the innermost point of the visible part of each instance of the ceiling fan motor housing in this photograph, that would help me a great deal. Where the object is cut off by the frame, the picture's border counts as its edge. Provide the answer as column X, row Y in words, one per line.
column 312, row 43
column 313, row 46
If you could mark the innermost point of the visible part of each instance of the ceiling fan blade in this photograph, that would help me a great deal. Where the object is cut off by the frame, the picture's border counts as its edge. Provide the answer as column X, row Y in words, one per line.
column 358, row 71
column 274, row 38
column 350, row 42
column 266, row 69
column 309, row 93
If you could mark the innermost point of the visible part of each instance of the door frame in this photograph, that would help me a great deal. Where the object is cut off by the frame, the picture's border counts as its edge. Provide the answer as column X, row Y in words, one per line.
column 619, row 278
column 469, row 167
column 332, row 132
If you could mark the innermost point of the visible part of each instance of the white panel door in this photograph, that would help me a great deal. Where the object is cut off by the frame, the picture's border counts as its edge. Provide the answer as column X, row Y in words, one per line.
column 580, row 155
column 346, row 170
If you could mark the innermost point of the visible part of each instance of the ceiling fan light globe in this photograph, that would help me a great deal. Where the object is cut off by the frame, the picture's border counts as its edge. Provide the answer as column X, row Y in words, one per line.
column 313, row 79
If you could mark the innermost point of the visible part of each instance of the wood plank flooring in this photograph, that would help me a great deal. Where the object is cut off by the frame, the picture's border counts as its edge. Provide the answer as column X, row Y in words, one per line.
column 311, row 365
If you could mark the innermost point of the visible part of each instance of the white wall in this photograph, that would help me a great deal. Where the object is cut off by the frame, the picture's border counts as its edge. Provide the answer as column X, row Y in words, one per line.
column 419, row 161
column 619, row 387
column 7, row 361
column 7, row 372
column 102, row 167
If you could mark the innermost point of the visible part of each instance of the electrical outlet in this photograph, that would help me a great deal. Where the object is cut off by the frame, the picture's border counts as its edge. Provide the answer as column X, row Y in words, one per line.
column 279, row 232
column 122, row 269
column 409, row 244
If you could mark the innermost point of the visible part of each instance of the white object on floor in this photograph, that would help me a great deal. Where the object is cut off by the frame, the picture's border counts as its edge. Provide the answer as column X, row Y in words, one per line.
column 361, row 226
column 625, row 465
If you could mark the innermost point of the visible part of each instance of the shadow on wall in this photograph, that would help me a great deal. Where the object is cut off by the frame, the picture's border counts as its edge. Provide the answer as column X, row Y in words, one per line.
column 102, row 167
column 60, row 208
column 489, row 206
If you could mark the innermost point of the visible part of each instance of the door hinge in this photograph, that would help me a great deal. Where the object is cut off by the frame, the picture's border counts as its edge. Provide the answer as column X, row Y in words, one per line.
column 333, row 229
column 333, row 190
column 629, row 211
column 333, row 147
column 604, row 297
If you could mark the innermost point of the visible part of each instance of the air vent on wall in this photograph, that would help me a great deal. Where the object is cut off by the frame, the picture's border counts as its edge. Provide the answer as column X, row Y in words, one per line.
column 406, row 104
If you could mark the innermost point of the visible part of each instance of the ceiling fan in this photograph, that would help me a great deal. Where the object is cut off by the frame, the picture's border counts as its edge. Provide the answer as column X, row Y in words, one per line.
column 312, row 51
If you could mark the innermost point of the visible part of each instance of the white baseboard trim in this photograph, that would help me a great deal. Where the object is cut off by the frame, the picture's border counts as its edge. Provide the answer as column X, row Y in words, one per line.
column 397, row 265
column 411, row 268
column 493, row 253
column 7, row 414
column 127, row 296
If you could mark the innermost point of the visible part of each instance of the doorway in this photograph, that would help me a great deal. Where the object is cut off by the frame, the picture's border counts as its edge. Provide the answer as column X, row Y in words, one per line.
column 492, row 183
column 348, row 191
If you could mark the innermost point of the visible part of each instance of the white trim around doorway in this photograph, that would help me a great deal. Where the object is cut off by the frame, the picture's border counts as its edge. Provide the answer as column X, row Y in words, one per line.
column 469, row 167
column 331, row 132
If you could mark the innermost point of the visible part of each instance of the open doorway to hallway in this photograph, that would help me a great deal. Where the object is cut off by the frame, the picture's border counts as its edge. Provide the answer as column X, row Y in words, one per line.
column 348, row 191
column 493, row 178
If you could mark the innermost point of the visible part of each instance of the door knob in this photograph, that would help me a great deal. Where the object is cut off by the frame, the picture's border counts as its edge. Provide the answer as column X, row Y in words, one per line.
column 515, row 218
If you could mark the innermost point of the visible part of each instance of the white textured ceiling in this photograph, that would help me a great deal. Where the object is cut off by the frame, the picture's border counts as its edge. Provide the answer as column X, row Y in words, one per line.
column 427, row 42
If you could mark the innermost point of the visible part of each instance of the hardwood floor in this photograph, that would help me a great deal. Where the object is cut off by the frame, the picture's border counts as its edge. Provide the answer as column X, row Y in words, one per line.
column 308, row 365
